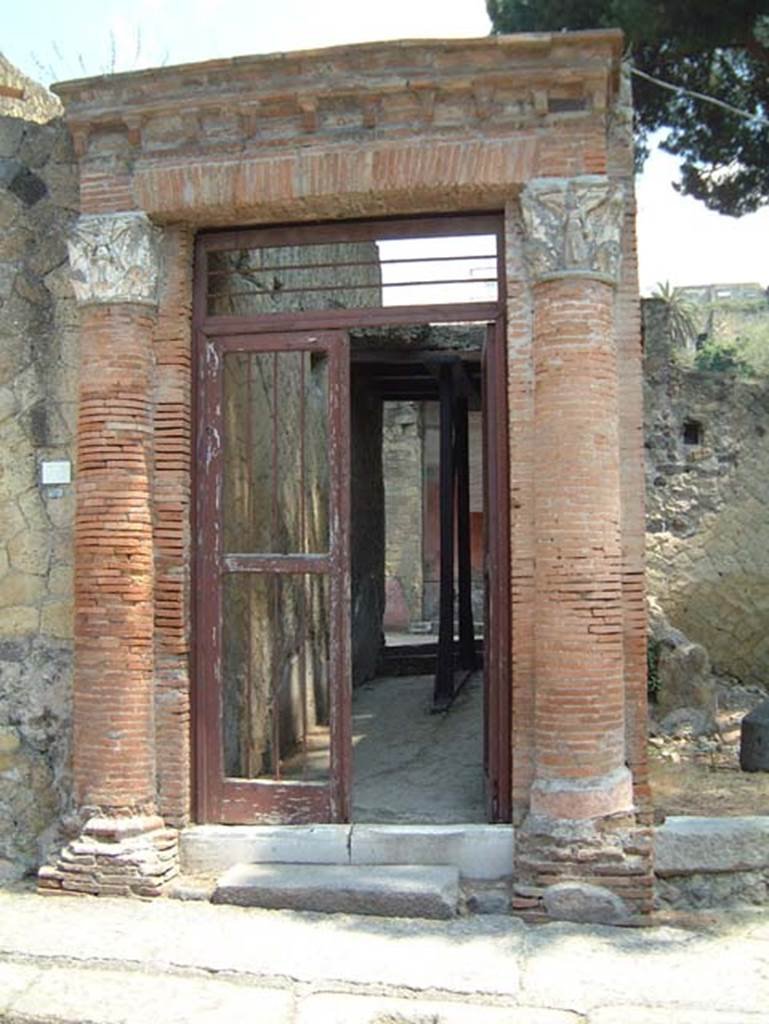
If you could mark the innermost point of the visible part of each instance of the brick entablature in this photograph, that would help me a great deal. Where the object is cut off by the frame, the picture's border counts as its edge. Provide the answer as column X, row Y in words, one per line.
column 532, row 125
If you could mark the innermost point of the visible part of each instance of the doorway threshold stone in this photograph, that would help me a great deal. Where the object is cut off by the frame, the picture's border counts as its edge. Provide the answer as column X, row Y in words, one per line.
column 476, row 851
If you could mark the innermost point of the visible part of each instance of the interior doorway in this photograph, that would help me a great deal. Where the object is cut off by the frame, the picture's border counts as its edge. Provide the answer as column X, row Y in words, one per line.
column 298, row 357
column 417, row 551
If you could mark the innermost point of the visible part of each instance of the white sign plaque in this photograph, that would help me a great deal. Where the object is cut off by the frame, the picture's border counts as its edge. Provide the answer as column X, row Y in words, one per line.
column 56, row 472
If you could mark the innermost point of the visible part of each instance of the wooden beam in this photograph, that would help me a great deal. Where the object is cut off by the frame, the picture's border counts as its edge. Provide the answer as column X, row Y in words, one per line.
column 467, row 657
column 443, row 690
column 419, row 356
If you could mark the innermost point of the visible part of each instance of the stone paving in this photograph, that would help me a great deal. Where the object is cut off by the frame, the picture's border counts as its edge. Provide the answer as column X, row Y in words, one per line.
column 93, row 960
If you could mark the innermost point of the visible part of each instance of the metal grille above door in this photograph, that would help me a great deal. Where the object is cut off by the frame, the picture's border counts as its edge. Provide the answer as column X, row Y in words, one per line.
column 387, row 266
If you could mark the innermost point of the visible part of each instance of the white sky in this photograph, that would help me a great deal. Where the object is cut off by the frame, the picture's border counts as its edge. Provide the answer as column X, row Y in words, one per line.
column 679, row 240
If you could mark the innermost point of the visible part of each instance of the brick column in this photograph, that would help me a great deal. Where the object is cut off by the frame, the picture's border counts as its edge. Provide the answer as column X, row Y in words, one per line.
column 124, row 846
column 581, row 826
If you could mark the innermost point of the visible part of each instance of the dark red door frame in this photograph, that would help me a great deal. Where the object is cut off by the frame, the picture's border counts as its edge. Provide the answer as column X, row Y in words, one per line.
column 223, row 800
column 497, row 625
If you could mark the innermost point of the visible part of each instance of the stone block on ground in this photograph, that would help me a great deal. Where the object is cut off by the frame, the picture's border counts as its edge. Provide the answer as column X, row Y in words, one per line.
column 393, row 891
column 689, row 845
column 584, row 903
column 754, row 740
column 685, row 679
column 214, row 848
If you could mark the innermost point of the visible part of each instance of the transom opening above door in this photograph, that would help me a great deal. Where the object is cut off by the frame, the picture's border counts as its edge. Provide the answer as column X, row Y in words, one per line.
column 426, row 264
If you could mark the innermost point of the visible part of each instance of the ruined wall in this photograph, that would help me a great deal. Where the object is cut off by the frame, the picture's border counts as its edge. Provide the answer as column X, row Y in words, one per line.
column 707, row 477
column 21, row 97
column 403, row 469
column 38, row 367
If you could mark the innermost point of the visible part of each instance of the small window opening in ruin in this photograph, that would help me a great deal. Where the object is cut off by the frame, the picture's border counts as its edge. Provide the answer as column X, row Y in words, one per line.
column 693, row 432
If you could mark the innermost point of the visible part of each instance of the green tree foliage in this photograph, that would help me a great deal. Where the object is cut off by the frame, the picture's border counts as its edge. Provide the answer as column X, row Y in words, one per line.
column 682, row 316
column 720, row 50
column 722, row 358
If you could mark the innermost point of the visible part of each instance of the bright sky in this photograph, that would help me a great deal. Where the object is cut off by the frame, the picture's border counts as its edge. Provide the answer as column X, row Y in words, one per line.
column 679, row 240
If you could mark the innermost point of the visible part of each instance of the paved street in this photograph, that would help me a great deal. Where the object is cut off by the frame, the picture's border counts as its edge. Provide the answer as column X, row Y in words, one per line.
column 71, row 959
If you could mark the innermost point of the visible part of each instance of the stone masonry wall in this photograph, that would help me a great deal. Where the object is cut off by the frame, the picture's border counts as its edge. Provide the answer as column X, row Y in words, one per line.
column 402, row 454
column 707, row 470
column 38, row 367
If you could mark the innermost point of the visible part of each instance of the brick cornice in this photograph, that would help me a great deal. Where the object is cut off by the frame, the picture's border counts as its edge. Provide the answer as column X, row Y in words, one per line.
column 409, row 87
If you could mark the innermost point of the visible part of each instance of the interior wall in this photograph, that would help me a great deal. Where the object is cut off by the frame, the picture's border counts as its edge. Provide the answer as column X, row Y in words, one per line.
column 275, row 628
column 403, row 448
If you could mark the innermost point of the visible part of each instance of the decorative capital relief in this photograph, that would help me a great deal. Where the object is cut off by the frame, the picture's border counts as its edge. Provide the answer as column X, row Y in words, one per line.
column 573, row 227
column 114, row 257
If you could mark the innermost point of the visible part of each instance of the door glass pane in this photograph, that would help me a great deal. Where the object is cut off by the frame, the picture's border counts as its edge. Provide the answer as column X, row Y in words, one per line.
column 275, row 676
column 275, row 491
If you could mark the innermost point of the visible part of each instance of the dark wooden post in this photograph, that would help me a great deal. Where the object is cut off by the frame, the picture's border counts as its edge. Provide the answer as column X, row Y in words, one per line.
column 464, row 564
column 443, row 691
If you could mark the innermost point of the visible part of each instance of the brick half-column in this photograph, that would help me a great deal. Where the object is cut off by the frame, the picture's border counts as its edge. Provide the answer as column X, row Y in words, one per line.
column 124, row 846
column 581, row 779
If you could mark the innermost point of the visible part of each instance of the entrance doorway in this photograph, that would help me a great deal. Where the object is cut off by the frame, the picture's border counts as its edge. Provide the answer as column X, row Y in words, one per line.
column 290, row 580
column 417, row 640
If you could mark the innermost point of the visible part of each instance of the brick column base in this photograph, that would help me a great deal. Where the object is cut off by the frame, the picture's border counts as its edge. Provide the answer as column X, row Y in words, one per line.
column 114, row 856
column 596, row 870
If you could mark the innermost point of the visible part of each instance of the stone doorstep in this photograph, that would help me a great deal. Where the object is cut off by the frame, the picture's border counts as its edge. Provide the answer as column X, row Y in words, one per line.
column 477, row 851
column 384, row 891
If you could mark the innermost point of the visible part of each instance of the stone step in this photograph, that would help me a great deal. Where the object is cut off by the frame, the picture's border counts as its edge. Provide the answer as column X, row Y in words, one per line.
column 385, row 891
column 477, row 851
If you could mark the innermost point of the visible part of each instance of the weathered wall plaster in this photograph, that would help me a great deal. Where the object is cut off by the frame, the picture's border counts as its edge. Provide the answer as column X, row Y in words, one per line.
column 38, row 368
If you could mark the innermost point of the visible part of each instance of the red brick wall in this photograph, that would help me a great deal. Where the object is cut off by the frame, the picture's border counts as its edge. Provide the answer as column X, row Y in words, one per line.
column 171, row 503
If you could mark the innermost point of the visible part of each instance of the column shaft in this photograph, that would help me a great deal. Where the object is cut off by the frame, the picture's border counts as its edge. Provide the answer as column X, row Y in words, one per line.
column 113, row 757
column 579, row 706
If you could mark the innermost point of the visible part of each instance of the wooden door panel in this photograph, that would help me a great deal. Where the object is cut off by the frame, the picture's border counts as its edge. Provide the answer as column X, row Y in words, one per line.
column 272, row 583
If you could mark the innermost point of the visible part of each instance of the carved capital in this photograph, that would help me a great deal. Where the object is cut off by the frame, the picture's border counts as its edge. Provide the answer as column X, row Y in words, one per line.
column 114, row 257
column 573, row 227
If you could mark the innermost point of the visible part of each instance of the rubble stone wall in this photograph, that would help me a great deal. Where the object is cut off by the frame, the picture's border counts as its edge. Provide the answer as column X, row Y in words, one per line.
column 707, row 478
column 403, row 473
column 38, row 369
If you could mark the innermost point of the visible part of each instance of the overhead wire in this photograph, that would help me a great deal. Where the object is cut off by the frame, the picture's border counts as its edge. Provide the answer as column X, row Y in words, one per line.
column 757, row 119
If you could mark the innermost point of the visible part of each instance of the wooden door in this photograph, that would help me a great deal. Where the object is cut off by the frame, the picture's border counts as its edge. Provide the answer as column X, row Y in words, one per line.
column 272, row 582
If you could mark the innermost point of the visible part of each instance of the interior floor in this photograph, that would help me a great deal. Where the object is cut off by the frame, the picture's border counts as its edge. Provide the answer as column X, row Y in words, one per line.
column 413, row 766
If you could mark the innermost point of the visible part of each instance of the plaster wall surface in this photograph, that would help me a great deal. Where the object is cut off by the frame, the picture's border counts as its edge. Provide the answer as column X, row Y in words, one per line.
column 38, row 385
